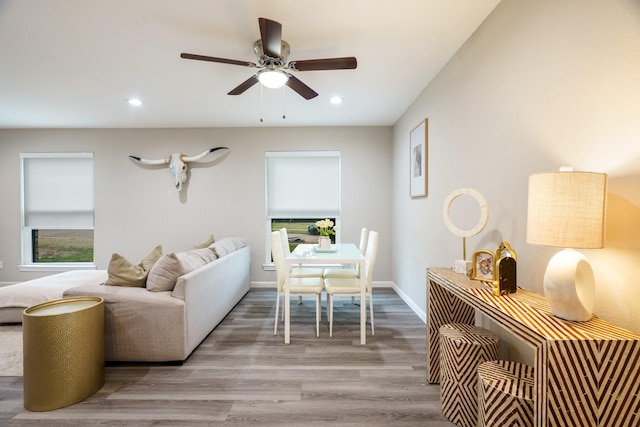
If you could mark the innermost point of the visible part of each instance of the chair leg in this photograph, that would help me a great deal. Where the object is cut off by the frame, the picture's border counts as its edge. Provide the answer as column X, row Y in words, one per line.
column 299, row 299
column 330, row 309
column 317, row 315
column 275, row 326
column 371, row 312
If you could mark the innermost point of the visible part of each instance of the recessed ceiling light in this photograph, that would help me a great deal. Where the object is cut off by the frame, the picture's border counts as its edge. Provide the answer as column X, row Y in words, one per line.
column 134, row 101
column 336, row 100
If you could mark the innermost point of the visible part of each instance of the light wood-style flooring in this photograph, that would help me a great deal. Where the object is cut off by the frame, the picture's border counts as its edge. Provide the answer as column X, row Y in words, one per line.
column 243, row 375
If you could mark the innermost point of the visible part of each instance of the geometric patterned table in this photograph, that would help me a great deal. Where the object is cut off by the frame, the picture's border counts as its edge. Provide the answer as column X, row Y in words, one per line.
column 586, row 373
column 505, row 394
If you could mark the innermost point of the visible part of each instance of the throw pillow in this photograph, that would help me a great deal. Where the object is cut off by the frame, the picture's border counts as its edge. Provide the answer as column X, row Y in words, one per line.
column 227, row 245
column 123, row 272
column 164, row 274
column 205, row 243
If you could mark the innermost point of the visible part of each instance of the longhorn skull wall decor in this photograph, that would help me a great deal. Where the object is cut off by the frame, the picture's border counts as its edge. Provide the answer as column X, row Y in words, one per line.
column 177, row 164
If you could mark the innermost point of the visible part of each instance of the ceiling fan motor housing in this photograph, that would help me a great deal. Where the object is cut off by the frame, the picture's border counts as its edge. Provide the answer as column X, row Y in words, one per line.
column 265, row 60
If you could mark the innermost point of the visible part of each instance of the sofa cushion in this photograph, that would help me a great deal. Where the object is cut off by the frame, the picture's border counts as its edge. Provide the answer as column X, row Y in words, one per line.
column 123, row 272
column 205, row 243
column 139, row 325
column 165, row 272
column 227, row 245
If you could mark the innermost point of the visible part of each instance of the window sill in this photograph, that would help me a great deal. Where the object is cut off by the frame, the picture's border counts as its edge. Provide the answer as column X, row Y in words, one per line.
column 57, row 267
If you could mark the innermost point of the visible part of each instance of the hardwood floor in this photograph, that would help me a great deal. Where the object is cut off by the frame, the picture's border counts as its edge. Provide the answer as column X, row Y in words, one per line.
column 243, row 375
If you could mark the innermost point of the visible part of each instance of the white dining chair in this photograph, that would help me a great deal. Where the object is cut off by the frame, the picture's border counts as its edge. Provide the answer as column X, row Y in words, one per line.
column 349, row 272
column 298, row 270
column 351, row 286
column 297, row 285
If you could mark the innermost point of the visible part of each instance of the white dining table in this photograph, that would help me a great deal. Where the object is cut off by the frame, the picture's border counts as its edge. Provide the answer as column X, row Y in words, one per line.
column 340, row 253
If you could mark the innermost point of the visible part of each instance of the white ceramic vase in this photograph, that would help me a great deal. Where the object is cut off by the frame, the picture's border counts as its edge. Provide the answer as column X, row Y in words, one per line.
column 324, row 243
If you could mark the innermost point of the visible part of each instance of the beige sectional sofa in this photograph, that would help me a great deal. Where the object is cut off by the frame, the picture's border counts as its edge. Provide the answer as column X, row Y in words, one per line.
column 15, row 298
column 185, row 297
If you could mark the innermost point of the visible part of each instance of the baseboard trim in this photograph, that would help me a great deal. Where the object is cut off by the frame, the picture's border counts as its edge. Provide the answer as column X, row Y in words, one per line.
column 421, row 314
column 263, row 285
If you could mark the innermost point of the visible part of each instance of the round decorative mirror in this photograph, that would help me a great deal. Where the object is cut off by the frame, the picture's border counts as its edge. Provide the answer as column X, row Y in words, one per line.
column 482, row 222
column 484, row 212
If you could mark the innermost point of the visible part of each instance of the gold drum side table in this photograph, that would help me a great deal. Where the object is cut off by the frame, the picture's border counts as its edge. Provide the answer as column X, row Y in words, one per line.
column 63, row 352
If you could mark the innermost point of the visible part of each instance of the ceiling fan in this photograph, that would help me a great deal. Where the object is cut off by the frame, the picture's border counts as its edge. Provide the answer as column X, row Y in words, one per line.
column 272, row 53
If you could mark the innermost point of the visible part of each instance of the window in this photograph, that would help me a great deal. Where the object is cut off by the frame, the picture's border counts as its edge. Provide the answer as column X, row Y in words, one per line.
column 299, row 230
column 57, row 211
column 301, row 188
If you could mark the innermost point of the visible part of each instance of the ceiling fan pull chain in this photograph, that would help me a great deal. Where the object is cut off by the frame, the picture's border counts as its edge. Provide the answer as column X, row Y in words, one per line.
column 283, row 103
column 261, row 104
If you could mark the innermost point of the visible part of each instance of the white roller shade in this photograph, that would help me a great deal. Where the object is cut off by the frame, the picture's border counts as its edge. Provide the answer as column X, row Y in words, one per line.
column 58, row 191
column 303, row 184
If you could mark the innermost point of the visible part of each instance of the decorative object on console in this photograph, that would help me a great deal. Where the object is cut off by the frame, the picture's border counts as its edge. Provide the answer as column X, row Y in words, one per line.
column 505, row 270
column 177, row 164
column 418, row 139
column 567, row 210
column 505, row 250
column 464, row 266
column 483, row 265
column 505, row 282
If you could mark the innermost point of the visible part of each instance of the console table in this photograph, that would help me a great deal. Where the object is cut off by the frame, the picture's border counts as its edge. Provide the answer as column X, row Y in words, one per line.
column 586, row 373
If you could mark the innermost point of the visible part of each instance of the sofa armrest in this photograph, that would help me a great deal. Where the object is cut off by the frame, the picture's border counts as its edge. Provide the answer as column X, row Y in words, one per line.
column 211, row 291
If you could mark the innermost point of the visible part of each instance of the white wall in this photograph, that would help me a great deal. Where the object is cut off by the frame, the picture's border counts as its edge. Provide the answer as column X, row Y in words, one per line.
column 539, row 85
column 137, row 208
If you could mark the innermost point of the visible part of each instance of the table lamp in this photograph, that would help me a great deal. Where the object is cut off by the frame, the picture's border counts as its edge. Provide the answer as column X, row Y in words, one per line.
column 567, row 210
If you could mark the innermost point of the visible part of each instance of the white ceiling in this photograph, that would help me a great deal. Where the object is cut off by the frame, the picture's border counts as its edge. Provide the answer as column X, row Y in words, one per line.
column 74, row 63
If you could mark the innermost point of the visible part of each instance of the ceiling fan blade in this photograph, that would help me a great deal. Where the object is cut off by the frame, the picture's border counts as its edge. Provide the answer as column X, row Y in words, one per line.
column 271, row 35
column 303, row 90
column 347, row 63
column 214, row 59
column 242, row 87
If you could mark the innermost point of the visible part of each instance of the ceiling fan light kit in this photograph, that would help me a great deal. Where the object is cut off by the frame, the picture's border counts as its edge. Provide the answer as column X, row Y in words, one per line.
column 272, row 79
column 272, row 54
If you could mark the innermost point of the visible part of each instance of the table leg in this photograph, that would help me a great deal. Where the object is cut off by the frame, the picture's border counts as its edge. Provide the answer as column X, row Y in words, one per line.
column 363, row 306
column 286, row 307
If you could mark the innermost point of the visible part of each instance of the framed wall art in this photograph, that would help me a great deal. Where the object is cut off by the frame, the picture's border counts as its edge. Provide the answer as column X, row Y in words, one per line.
column 418, row 138
column 483, row 265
